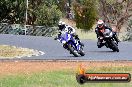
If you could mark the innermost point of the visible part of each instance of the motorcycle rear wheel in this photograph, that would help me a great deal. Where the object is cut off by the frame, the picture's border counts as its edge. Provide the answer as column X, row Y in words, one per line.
column 81, row 52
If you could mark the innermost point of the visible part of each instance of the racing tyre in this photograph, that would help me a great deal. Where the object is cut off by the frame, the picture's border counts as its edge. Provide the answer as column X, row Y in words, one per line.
column 81, row 52
column 114, row 47
column 72, row 51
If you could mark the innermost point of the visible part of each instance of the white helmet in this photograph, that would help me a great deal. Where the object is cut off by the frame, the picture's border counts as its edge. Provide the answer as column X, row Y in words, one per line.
column 61, row 23
column 100, row 23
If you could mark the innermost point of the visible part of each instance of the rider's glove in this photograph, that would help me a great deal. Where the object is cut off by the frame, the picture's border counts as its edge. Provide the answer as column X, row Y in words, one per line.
column 56, row 38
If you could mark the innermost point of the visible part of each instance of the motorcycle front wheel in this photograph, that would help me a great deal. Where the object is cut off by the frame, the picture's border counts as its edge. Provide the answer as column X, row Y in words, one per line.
column 114, row 47
column 72, row 51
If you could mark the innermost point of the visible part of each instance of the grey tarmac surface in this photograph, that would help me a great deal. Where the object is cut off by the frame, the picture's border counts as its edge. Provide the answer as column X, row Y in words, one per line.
column 54, row 51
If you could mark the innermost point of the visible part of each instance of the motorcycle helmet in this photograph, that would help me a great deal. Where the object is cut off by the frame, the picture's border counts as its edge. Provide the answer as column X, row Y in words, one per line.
column 100, row 23
column 61, row 25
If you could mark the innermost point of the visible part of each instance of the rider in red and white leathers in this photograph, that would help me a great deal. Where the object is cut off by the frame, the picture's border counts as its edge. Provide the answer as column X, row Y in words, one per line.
column 101, row 26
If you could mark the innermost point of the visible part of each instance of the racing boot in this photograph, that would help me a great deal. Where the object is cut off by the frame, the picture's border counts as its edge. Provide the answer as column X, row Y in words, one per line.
column 77, row 38
column 81, row 43
column 116, row 38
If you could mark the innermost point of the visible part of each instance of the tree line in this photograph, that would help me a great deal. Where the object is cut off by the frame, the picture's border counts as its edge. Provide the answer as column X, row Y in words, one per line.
column 49, row 12
column 39, row 12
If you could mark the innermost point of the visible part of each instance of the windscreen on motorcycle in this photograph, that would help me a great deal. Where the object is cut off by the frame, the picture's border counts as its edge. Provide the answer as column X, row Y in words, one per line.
column 63, row 34
column 107, row 33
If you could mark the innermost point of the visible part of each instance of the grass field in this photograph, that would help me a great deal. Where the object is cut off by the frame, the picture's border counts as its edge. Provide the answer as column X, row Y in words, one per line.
column 86, row 34
column 62, row 77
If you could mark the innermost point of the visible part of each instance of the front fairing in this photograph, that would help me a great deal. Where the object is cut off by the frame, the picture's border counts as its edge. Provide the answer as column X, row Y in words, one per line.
column 67, row 38
column 107, row 33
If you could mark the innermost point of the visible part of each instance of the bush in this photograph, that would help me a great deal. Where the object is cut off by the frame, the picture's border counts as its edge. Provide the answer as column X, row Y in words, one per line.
column 85, row 14
column 48, row 15
column 128, row 35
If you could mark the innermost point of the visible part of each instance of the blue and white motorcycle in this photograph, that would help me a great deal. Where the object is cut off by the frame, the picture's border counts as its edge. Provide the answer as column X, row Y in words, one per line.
column 71, row 44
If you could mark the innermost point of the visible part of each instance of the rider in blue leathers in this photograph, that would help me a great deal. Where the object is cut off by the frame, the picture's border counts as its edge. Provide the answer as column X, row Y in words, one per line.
column 66, row 28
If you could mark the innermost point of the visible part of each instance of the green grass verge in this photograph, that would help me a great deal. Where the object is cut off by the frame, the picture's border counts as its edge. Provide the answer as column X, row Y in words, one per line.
column 61, row 78
column 86, row 34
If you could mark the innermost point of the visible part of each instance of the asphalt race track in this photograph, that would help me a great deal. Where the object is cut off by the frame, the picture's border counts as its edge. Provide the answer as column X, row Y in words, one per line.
column 54, row 51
